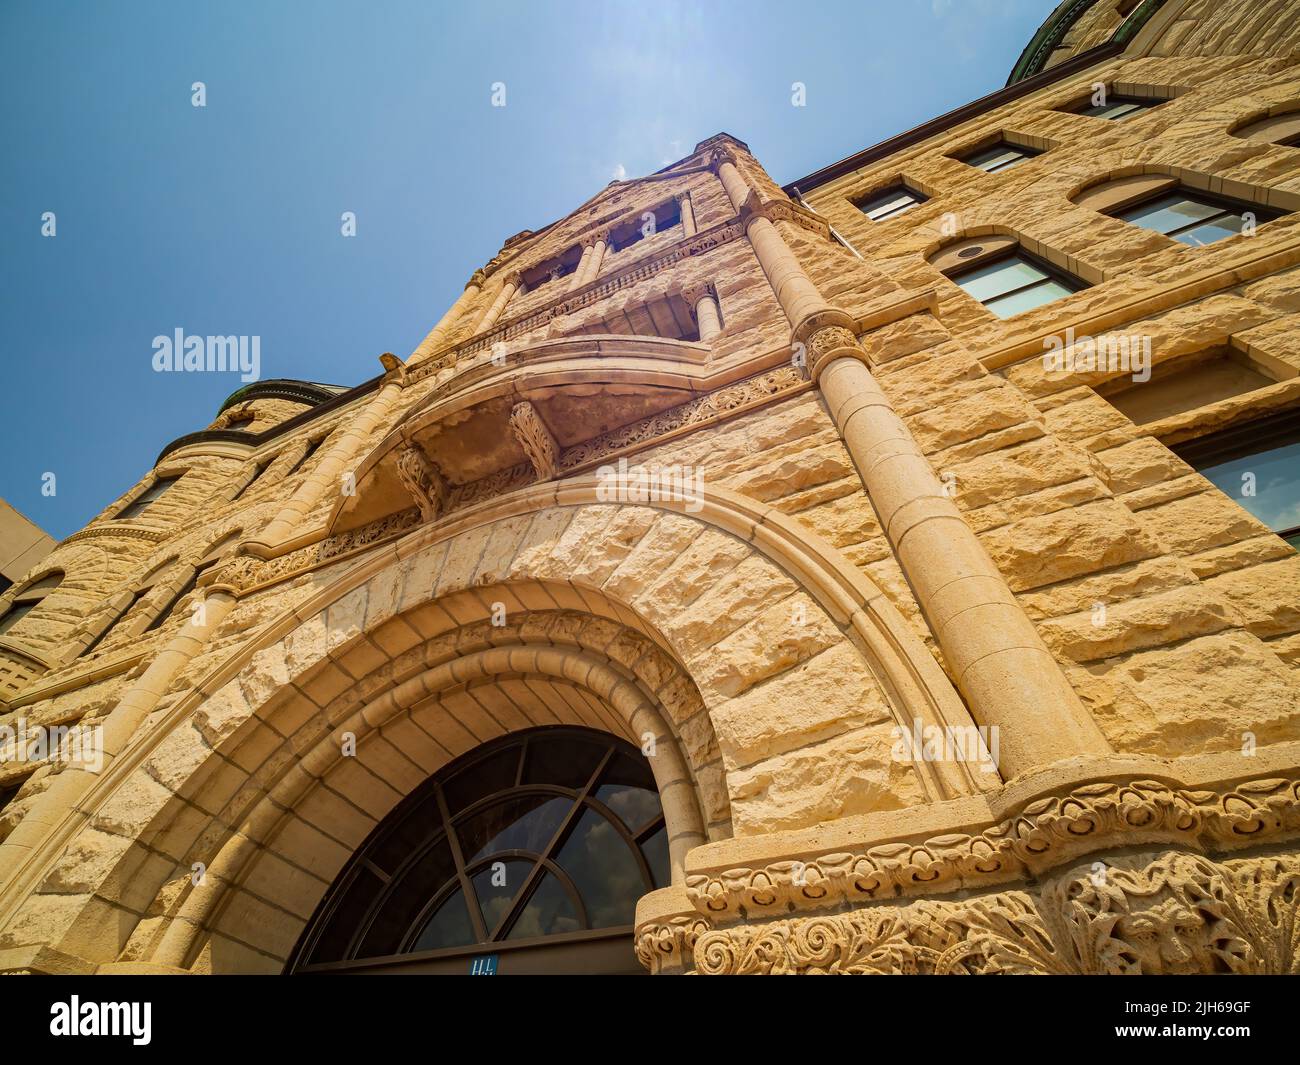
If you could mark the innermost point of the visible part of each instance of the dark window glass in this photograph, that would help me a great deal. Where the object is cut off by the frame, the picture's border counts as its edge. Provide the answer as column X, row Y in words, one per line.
column 15, row 614
column 1192, row 219
column 543, row 857
column 548, row 912
column 141, row 503
column 448, row 927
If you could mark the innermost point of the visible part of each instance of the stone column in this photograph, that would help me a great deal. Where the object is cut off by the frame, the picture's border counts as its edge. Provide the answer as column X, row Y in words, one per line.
column 708, row 316
column 438, row 333
column 60, row 799
column 328, row 472
column 1001, row 665
column 687, row 211
column 499, row 304
column 593, row 253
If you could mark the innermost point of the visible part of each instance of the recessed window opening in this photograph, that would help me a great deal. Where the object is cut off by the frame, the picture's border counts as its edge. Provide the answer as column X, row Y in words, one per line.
column 1014, row 282
column 145, row 499
column 997, row 157
column 890, row 202
column 1194, row 218
column 1257, row 465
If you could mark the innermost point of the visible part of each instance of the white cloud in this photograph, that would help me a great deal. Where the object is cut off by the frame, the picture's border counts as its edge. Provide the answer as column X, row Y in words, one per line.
column 620, row 172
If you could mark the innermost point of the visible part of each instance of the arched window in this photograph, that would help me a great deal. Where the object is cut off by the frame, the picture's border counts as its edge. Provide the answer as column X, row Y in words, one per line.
column 998, row 272
column 1163, row 204
column 537, row 845
column 1279, row 128
column 29, row 599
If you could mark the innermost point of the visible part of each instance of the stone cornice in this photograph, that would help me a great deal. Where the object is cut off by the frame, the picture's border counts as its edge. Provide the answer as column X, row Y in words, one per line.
column 127, row 532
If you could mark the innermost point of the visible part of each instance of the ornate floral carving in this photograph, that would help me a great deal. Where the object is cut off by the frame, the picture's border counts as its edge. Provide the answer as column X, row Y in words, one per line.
column 1043, row 834
column 828, row 343
column 669, row 946
column 536, row 440
column 421, row 477
column 1169, row 913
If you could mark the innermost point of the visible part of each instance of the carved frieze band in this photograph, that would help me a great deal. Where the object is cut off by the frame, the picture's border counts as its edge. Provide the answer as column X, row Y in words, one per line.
column 1044, row 834
column 246, row 572
column 1164, row 913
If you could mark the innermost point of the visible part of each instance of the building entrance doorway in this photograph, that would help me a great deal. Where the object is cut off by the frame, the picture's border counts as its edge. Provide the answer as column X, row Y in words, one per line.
column 527, row 855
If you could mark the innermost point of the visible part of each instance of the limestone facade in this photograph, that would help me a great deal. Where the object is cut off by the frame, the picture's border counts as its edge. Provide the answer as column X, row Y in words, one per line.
column 746, row 477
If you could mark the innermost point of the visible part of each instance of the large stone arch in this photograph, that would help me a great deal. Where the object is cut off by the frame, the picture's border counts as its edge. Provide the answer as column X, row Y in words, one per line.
column 218, row 778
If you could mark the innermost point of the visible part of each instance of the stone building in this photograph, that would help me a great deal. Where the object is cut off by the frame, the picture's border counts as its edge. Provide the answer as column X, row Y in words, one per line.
column 884, row 573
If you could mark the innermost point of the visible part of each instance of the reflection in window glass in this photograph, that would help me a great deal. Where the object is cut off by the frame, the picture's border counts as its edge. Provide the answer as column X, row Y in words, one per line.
column 606, row 874
column 1012, row 285
column 1273, row 475
column 549, row 912
column 1000, row 156
column 557, row 831
column 1193, row 220
column 890, row 202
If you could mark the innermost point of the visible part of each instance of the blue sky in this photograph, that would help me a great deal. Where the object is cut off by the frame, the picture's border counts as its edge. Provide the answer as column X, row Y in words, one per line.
column 226, row 219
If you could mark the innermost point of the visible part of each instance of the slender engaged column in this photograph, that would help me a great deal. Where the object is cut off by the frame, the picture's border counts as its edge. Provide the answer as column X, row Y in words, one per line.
column 1000, row 664
column 687, row 212
column 60, row 799
column 593, row 255
column 708, row 317
column 499, row 305
column 434, row 340
column 327, row 475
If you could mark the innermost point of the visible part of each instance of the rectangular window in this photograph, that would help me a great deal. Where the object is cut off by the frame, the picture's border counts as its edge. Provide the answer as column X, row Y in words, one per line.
column 141, row 503
column 1192, row 218
column 1258, row 466
column 1118, row 108
column 996, row 157
column 889, row 202
column 1014, row 284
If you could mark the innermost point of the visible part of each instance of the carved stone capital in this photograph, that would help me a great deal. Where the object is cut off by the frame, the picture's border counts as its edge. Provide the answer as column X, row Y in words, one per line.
column 421, row 477
column 536, row 440
column 668, row 945
column 1167, row 912
column 831, row 343
column 478, row 279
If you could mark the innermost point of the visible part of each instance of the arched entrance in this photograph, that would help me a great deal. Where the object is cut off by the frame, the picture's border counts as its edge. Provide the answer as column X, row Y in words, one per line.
column 526, row 855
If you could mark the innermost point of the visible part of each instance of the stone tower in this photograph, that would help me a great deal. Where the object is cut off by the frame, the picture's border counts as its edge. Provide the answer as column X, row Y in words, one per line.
column 893, row 571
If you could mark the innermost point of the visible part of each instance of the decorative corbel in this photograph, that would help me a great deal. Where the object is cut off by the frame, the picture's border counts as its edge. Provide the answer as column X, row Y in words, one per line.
column 536, row 440
column 421, row 477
